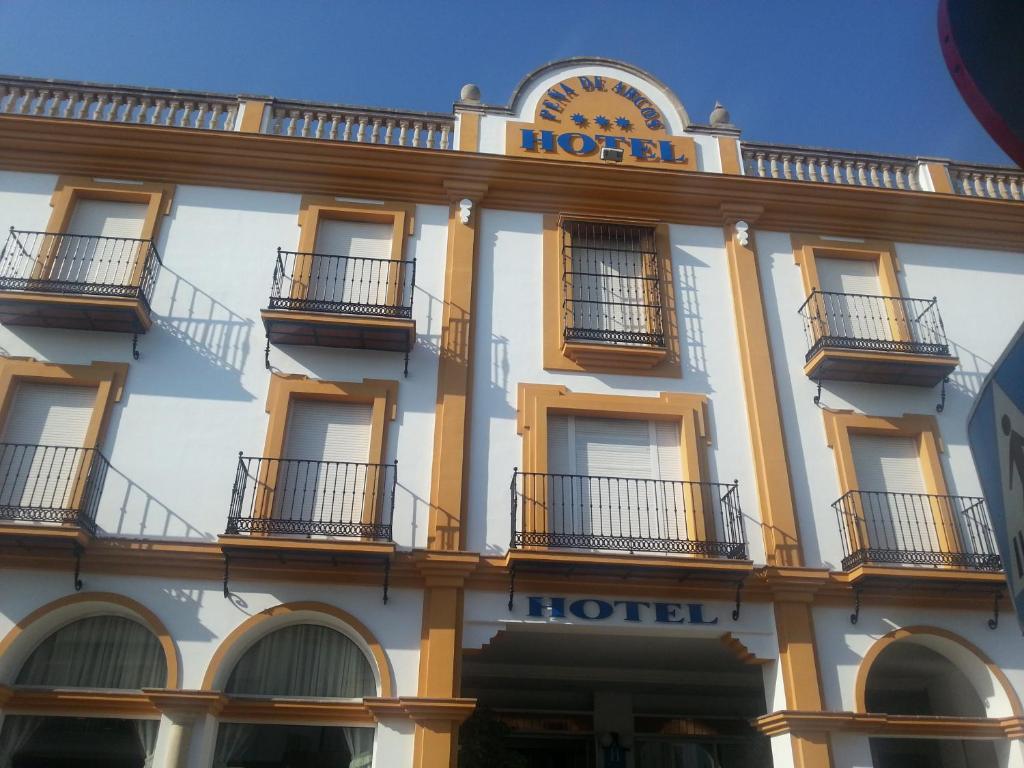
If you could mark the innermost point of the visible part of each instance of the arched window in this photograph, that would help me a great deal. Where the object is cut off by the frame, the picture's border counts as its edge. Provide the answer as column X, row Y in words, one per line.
column 98, row 652
column 302, row 661
column 911, row 678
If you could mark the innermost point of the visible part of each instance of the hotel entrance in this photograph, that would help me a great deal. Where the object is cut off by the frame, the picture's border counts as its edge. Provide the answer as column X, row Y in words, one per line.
column 575, row 699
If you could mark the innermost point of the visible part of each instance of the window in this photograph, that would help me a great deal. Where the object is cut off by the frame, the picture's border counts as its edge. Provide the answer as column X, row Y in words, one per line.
column 895, row 507
column 306, row 661
column 611, row 285
column 41, row 455
column 609, row 297
column 323, row 472
column 616, row 477
column 619, row 472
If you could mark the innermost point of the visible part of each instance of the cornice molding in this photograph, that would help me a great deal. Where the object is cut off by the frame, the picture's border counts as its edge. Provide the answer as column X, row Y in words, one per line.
column 907, row 726
column 257, row 161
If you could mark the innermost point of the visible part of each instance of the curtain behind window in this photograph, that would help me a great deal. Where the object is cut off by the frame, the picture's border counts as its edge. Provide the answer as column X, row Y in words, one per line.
column 304, row 660
column 97, row 652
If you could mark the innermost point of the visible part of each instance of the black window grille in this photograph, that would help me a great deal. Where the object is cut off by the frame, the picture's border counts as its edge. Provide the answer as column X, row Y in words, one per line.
column 611, row 287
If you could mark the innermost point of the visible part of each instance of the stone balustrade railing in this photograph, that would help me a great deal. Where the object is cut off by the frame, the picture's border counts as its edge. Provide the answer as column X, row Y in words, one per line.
column 117, row 104
column 770, row 161
column 64, row 99
column 987, row 181
column 404, row 129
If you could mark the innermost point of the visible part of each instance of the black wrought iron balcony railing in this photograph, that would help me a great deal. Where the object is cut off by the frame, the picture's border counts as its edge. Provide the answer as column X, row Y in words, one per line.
column 611, row 292
column 312, row 498
column 856, row 321
column 51, row 484
column 626, row 514
column 84, row 265
column 343, row 285
column 915, row 529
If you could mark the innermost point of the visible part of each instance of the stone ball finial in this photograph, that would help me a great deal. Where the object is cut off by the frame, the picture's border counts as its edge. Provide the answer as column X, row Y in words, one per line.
column 719, row 115
column 470, row 92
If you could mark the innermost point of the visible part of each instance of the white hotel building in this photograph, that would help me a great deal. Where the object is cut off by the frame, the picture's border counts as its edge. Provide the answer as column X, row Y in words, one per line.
column 569, row 433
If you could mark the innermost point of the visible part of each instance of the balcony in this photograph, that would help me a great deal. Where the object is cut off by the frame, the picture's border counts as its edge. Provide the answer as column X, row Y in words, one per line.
column 305, row 505
column 914, row 529
column 82, row 282
column 342, row 301
column 45, row 485
column 621, row 515
column 880, row 339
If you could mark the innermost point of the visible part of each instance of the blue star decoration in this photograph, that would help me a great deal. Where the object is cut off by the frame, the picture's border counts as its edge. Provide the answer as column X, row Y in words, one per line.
column 623, row 123
column 602, row 121
column 579, row 119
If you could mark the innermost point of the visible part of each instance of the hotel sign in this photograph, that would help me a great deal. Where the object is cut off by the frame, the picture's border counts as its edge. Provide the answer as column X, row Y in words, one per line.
column 577, row 117
column 634, row 611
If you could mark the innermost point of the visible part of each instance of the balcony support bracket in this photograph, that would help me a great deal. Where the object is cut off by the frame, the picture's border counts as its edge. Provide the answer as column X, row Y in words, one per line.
column 855, row 616
column 942, row 397
column 817, row 395
column 76, row 550
column 266, row 353
column 511, row 586
column 993, row 623
column 227, row 574
column 387, row 577
column 405, row 371
column 135, row 346
column 739, row 599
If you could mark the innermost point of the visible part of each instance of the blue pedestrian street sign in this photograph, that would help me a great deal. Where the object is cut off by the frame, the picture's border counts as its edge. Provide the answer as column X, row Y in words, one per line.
column 995, row 431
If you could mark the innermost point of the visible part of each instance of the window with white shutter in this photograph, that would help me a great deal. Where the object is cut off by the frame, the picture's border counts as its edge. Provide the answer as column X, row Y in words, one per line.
column 90, row 259
column 324, row 473
column 46, row 428
column 362, row 276
column 849, row 304
column 615, row 477
column 897, row 512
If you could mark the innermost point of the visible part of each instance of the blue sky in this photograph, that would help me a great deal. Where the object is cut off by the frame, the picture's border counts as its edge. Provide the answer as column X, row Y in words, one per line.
column 849, row 74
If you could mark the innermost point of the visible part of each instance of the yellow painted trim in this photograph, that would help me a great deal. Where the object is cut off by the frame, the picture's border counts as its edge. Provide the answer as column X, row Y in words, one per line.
column 771, row 462
column 607, row 358
column 537, row 402
column 70, row 189
column 469, row 132
column 81, row 703
column 810, row 724
column 839, row 425
column 145, row 616
column 449, row 470
column 250, row 625
column 729, row 153
column 380, row 394
column 252, row 117
column 939, row 174
column 902, row 633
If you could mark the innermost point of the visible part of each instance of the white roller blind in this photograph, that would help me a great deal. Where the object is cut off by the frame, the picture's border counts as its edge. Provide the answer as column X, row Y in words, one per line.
column 101, row 261
column 48, row 414
column 353, row 282
column 324, row 431
column 849, row 276
column 897, row 514
column 608, row 284
column 606, row 456
column 889, row 464
column 107, row 218
column 325, row 477
column 39, row 466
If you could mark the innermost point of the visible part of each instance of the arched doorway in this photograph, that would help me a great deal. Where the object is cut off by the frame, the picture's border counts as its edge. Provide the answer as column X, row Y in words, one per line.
column 104, row 652
column 298, row 661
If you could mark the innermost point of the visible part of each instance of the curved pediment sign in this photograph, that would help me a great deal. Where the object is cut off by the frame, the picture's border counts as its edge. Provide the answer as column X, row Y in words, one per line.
column 575, row 112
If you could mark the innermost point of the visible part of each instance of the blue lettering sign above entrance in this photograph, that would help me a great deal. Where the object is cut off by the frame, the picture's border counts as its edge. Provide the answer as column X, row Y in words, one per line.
column 596, row 609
